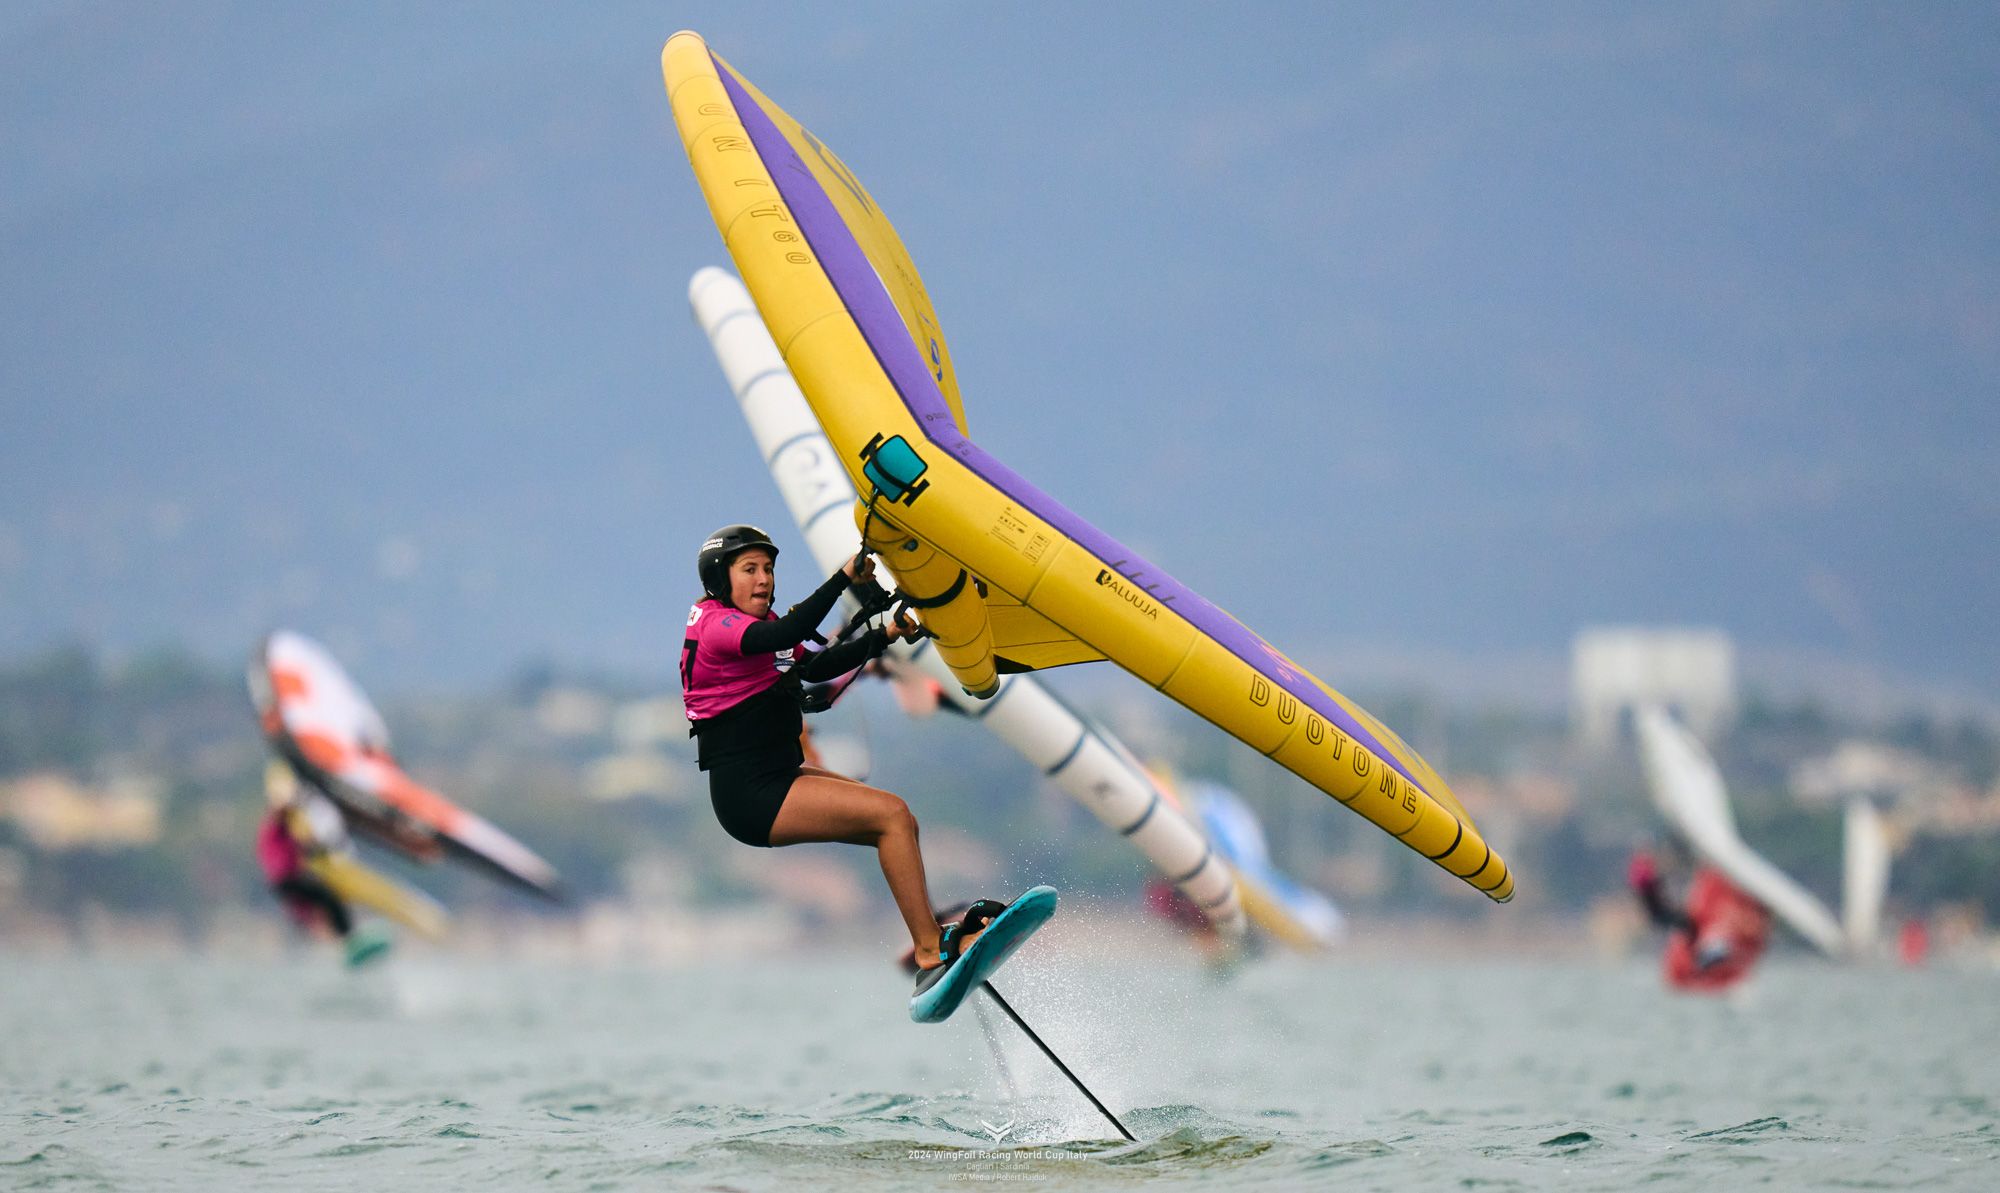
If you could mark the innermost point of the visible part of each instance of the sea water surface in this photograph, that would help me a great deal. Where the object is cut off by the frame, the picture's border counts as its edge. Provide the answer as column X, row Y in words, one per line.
column 439, row 1072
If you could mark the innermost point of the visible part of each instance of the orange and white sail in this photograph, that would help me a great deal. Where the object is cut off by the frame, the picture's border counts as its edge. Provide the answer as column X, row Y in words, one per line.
column 318, row 718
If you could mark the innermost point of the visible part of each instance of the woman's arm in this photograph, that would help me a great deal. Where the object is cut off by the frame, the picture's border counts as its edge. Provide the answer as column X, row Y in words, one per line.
column 798, row 623
column 843, row 657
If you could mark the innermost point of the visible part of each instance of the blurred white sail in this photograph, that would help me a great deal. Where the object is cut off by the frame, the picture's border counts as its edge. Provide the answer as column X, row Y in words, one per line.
column 1865, row 875
column 1688, row 790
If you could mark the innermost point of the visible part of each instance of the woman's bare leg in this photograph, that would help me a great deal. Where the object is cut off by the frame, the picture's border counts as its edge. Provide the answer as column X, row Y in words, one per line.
column 822, row 806
column 823, row 773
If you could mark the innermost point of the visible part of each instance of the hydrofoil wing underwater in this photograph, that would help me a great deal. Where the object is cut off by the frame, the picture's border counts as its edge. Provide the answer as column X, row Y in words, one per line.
column 963, row 534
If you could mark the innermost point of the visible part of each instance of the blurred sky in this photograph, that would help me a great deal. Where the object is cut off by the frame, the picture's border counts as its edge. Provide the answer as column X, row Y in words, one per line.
column 1418, row 332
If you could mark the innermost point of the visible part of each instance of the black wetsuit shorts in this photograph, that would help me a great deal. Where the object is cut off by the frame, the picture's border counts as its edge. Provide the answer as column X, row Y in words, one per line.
column 305, row 890
column 751, row 751
column 747, row 796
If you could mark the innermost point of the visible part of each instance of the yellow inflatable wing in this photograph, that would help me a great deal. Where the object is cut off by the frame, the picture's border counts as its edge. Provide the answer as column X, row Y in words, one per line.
column 363, row 887
column 964, row 535
column 1024, row 640
column 1268, row 913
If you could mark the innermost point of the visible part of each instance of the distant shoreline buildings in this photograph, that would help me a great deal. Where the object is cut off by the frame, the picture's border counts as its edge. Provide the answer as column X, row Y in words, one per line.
column 1613, row 670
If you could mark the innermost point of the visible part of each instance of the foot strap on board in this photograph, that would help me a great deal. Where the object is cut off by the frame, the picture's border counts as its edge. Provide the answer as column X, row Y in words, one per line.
column 952, row 936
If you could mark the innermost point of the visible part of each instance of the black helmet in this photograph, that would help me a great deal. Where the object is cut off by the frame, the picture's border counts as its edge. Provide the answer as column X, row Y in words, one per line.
column 712, row 565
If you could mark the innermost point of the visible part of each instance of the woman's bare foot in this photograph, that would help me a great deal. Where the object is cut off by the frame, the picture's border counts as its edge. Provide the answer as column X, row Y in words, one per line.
column 929, row 959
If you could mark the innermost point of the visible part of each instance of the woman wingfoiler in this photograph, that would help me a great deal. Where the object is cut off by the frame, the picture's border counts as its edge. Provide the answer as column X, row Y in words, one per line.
column 741, row 668
column 299, row 824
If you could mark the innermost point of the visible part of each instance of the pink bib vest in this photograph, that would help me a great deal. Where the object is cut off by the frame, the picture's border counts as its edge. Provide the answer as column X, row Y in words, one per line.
column 715, row 673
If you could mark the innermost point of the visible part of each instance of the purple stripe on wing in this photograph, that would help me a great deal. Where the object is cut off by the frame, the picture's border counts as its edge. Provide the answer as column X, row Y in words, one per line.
column 860, row 288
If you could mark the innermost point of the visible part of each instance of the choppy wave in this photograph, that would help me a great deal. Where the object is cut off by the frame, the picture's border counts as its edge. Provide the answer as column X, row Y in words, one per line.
column 185, row 1077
